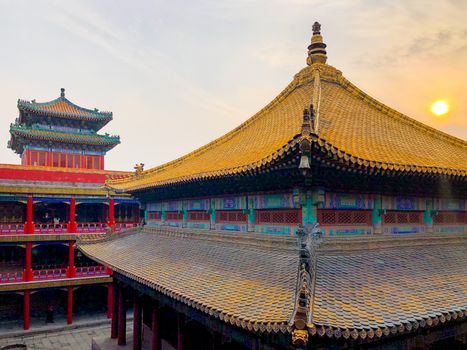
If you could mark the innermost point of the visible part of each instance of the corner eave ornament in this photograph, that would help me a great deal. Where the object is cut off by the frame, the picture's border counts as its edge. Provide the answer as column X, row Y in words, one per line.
column 139, row 168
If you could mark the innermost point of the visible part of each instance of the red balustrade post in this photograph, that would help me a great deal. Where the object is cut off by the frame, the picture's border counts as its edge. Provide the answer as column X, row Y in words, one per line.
column 71, row 260
column 110, row 302
column 29, row 227
column 156, row 337
column 112, row 214
column 69, row 306
column 72, row 223
column 116, row 303
column 121, row 317
column 28, row 262
column 137, row 319
column 26, row 307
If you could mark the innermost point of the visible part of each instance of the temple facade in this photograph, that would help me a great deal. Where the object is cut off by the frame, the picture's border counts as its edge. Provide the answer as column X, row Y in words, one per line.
column 57, row 193
column 327, row 220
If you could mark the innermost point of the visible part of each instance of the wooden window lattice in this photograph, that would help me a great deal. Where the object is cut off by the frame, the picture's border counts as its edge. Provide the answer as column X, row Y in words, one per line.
column 173, row 216
column 226, row 216
column 403, row 217
column 450, row 217
column 332, row 217
column 198, row 216
column 281, row 216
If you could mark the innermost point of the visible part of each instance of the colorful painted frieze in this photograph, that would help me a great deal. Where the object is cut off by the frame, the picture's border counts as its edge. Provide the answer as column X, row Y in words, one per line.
column 232, row 227
column 196, row 204
column 278, row 230
column 350, row 231
column 450, row 204
column 404, row 230
column 272, row 201
column 347, row 201
column 403, row 203
column 229, row 203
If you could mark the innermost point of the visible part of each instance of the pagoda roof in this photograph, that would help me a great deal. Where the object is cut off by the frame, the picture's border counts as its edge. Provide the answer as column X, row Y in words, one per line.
column 64, row 108
column 38, row 132
column 347, row 123
column 365, row 287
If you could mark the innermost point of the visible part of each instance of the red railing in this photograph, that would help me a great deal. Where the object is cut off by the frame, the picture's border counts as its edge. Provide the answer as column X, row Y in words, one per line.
column 49, row 274
column 91, row 271
column 91, row 227
column 11, row 277
column 11, row 229
column 50, row 228
column 125, row 225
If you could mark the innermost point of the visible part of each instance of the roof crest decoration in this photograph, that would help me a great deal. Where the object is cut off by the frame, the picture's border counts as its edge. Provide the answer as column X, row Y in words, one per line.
column 309, row 240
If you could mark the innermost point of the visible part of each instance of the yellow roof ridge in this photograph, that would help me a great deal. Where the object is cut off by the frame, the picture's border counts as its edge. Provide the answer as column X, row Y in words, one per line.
column 284, row 93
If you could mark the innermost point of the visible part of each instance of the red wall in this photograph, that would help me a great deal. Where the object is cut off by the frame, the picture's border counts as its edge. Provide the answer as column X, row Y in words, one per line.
column 61, row 159
column 50, row 175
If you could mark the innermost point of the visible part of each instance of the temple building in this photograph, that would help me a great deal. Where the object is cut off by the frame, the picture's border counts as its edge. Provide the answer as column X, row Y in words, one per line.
column 57, row 193
column 327, row 220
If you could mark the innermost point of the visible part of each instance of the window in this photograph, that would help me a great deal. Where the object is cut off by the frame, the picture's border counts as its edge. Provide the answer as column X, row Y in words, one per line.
column 96, row 162
column 173, row 216
column 42, row 158
column 450, row 217
column 63, row 160
column 89, row 162
column 198, row 216
column 154, row 215
column 77, row 161
column 34, row 158
column 69, row 161
column 226, row 216
column 55, row 159
column 403, row 217
column 344, row 217
column 281, row 216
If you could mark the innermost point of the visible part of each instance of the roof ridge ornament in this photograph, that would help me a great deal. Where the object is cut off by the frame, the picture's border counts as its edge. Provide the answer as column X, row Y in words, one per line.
column 309, row 240
column 62, row 92
column 317, row 48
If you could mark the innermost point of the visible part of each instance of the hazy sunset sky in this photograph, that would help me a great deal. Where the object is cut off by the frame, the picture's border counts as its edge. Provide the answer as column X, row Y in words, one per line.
column 178, row 74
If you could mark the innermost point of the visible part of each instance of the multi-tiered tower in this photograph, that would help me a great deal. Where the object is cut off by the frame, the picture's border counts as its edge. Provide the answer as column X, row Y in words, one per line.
column 61, row 134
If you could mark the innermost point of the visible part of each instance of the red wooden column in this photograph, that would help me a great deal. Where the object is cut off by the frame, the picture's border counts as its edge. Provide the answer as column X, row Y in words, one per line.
column 71, row 260
column 121, row 317
column 26, row 307
column 180, row 331
column 72, row 222
column 29, row 226
column 69, row 306
column 155, row 338
column 110, row 297
column 137, row 320
column 112, row 214
column 27, row 276
column 115, row 303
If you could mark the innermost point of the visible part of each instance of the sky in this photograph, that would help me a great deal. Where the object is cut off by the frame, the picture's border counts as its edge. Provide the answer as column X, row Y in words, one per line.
column 178, row 74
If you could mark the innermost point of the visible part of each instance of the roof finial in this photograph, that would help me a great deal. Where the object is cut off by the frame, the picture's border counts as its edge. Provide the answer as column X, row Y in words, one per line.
column 317, row 49
column 62, row 92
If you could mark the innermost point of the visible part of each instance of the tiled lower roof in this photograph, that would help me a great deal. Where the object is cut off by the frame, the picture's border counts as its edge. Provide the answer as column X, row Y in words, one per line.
column 365, row 287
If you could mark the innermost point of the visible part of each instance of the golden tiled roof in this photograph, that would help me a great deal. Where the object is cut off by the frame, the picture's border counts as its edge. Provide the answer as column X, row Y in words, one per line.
column 349, row 123
column 364, row 287
column 209, row 272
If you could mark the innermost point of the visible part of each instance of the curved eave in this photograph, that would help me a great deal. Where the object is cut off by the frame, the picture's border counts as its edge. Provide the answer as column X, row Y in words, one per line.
column 329, row 152
column 124, row 184
column 89, row 115
column 75, row 139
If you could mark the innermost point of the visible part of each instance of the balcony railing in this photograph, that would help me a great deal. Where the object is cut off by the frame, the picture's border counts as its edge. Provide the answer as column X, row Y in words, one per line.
column 86, row 271
column 49, row 228
column 49, row 274
column 11, row 277
column 11, row 228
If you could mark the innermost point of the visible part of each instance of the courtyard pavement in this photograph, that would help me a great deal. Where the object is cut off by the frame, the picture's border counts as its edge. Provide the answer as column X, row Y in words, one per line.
column 77, row 336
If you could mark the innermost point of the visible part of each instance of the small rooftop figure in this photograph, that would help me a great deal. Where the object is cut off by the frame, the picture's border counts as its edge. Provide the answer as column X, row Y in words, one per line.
column 139, row 168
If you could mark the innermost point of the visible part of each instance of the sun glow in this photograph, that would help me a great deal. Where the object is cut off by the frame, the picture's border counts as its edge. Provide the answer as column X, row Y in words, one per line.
column 439, row 108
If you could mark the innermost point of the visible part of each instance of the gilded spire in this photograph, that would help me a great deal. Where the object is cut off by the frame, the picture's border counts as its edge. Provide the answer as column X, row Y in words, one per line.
column 317, row 49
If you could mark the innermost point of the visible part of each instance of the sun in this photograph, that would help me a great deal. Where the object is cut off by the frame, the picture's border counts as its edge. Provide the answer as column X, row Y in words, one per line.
column 439, row 108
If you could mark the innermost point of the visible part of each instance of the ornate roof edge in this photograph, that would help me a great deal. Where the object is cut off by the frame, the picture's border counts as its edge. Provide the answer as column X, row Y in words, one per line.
column 34, row 106
column 350, row 160
column 68, row 137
